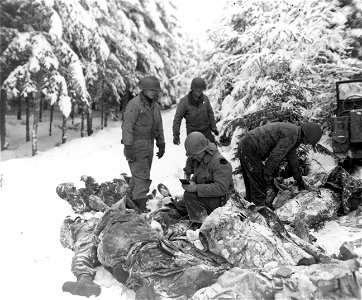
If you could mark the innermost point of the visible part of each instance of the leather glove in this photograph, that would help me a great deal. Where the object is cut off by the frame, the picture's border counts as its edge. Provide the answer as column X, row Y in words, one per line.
column 215, row 131
column 161, row 150
column 176, row 139
column 129, row 153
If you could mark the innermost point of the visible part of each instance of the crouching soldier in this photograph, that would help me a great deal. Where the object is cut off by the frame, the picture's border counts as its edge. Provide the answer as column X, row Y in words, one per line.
column 261, row 150
column 211, row 182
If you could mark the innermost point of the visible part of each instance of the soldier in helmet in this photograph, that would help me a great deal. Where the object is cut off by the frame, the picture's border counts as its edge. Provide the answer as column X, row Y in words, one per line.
column 142, row 124
column 211, row 183
column 270, row 144
column 196, row 109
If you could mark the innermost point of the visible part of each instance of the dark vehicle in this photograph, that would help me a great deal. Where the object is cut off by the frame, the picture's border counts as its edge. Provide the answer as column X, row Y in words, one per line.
column 347, row 122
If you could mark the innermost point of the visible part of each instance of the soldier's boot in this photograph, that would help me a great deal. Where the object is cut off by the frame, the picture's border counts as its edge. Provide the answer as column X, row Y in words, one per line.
column 141, row 204
column 84, row 286
column 130, row 204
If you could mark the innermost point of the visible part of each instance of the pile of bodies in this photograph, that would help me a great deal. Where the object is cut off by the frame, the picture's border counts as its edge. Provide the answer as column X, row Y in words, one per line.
column 237, row 252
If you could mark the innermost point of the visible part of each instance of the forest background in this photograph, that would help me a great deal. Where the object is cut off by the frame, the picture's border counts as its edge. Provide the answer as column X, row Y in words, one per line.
column 77, row 59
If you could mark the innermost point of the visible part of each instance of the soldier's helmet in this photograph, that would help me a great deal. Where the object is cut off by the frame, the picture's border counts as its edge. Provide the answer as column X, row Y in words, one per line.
column 150, row 83
column 198, row 84
column 312, row 132
column 195, row 143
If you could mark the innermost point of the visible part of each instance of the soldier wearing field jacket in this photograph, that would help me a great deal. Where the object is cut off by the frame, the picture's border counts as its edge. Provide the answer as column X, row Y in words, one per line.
column 196, row 109
column 261, row 150
column 211, row 183
column 142, row 125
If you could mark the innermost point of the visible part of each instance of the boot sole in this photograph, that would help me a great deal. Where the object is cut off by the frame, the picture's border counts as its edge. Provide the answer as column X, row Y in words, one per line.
column 81, row 289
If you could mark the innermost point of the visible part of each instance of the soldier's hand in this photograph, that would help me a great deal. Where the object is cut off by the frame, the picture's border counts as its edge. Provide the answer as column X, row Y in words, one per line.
column 191, row 188
column 176, row 140
column 129, row 153
column 215, row 131
column 161, row 150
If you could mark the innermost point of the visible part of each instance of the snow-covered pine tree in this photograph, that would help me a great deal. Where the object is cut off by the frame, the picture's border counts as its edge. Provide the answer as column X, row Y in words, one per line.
column 36, row 72
column 278, row 59
column 115, row 41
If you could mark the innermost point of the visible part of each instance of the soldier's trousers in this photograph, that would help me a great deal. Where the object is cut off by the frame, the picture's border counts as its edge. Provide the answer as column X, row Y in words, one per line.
column 85, row 251
column 198, row 208
column 253, row 172
column 140, row 182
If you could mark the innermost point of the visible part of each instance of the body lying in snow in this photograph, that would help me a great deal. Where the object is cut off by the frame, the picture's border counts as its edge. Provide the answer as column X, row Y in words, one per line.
column 125, row 243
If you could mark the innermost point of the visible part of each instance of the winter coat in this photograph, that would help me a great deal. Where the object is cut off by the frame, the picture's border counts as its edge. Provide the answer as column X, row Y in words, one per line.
column 213, row 175
column 275, row 141
column 199, row 115
column 142, row 123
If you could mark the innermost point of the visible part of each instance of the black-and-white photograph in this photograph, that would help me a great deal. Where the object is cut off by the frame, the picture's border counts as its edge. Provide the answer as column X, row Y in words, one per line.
column 181, row 149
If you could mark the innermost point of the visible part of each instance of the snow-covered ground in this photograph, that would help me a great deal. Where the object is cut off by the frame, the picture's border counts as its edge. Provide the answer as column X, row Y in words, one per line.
column 34, row 264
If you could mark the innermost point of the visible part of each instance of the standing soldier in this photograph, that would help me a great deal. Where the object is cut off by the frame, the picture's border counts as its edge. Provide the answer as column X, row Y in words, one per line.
column 196, row 109
column 142, row 124
column 211, row 183
column 269, row 144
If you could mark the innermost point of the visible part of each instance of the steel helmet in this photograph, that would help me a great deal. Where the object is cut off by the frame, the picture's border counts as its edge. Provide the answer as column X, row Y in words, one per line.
column 198, row 84
column 150, row 83
column 195, row 143
column 312, row 132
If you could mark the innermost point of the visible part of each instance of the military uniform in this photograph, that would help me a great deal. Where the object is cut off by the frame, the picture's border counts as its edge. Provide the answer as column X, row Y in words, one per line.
column 78, row 236
column 270, row 144
column 198, row 114
column 142, row 124
column 199, row 117
column 213, row 178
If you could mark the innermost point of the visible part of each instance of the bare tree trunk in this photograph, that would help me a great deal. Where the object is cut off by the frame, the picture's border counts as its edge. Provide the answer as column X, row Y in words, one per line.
column 51, row 119
column 27, row 117
column 19, row 106
column 64, row 130
column 34, row 132
column 72, row 112
column 106, row 114
column 82, row 122
column 41, row 102
column 3, row 119
column 102, row 110
column 89, row 121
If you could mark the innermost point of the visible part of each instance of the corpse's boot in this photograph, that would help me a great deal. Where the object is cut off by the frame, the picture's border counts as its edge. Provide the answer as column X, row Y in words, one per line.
column 84, row 286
